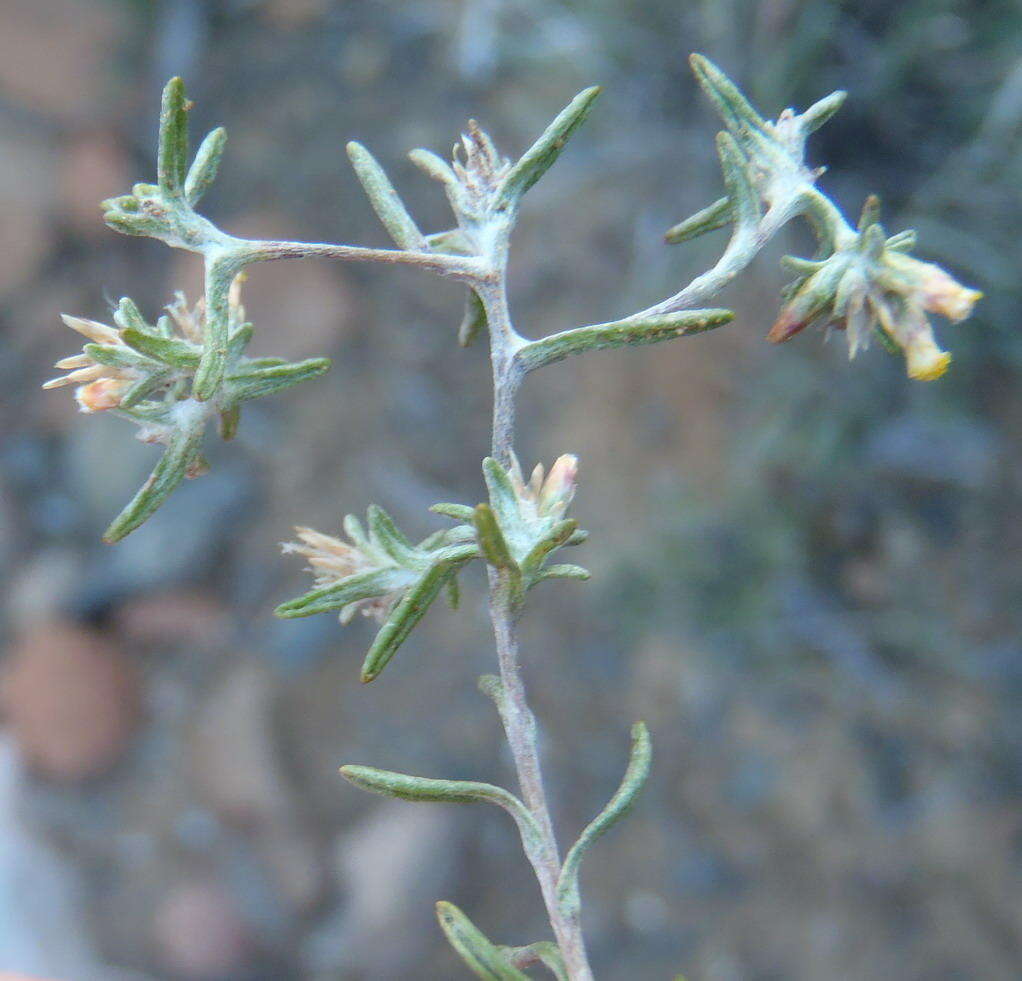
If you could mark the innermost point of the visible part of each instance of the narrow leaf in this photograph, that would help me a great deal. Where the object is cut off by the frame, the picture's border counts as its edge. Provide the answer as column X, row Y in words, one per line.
column 538, row 159
column 902, row 241
column 736, row 111
column 335, row 596
column 433, row 166
column 273, row 378
column 179, row 456
column 821, row 112
column 491, row 539
column 712, row 217
column 120, row 356
column 620, row 333
column 143, row 388
column 386, row 535
column 385, row 201
column 460, row 512
column 473, row 320
column 620, row 804
column 204, row 167
column 503, row 498
column 237, row 343
column 172, row 154
column 564, row 571
column 870, row 213
column 746, row 209
column 167, row 350
column 229, row 420
column 483, row 958
column 550, row 542
column 545, row 952
column 220, row 271
column 127, row 314
column 412, row 608
column 432, row 790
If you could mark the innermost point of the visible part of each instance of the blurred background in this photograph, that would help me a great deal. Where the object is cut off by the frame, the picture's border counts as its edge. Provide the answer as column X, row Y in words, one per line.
column 806, row 572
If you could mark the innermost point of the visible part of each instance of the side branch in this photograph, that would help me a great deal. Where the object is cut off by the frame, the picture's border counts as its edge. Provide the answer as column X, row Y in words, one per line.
column 468, row 269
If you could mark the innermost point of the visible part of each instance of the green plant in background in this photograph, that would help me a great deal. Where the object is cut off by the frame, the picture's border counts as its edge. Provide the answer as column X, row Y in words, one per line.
column 171, row 379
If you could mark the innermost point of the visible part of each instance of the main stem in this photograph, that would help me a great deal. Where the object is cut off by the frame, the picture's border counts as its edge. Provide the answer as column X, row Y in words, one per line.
column 518, row 720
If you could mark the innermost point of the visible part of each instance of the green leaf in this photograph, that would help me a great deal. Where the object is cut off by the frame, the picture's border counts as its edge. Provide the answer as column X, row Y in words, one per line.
column 412, row 608
column 237, row 343
column 257, row 382
column 745, row 206
column 491, row 539
column 820, row 112
column 460, row 512
column 220, row 271
column 433, row 166
column 181, row 454
column 544, row 951
column 538, row 159
column 386, row 535
column 473, row 320
column 620, row 804
column 120, row 356
column 503, row 498
column 483, row 958
column 902, row 241
column 712, row 217
column 172, row 155
column 204, row 167
column 143, row 388
column 229, row 420
column 335, row 596
column 620, row 333
column 563, row 571
column 127, row 314
column 553, row 540
column 385, row 200
column 432, row 790
column 167, row 350
column 736, row 111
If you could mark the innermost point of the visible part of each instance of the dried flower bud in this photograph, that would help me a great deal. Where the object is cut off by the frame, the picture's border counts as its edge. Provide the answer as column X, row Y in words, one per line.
column 871, row 285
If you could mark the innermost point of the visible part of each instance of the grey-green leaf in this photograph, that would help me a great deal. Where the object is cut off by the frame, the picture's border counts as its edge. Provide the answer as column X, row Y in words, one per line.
column 491, row 539
column 745, row 206
column 538, row 159
column 736, row 111
column 172, row 154
column 204, row 167
column 273, row 378
column 181, row 454
column 820, row 112
column 620, row 804
column 483, row 958
column 335, row 596
column 412, row 608
column 546, row 952
column 167, row 350
column 620, row 333
column 712, row 217
column 460, row 512
column 386, row 203
column 473, row 320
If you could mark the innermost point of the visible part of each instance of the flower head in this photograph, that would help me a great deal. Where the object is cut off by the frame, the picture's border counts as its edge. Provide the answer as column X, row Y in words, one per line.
column 547, row 495
column 100, row 384
column 870, row 286
column 332, row 560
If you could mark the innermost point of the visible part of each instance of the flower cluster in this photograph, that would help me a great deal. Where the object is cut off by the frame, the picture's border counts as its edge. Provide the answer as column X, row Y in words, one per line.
column 145, row 373
column 872, row 287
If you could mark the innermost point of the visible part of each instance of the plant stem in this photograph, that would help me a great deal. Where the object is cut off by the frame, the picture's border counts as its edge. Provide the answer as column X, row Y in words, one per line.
column 516, row 716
